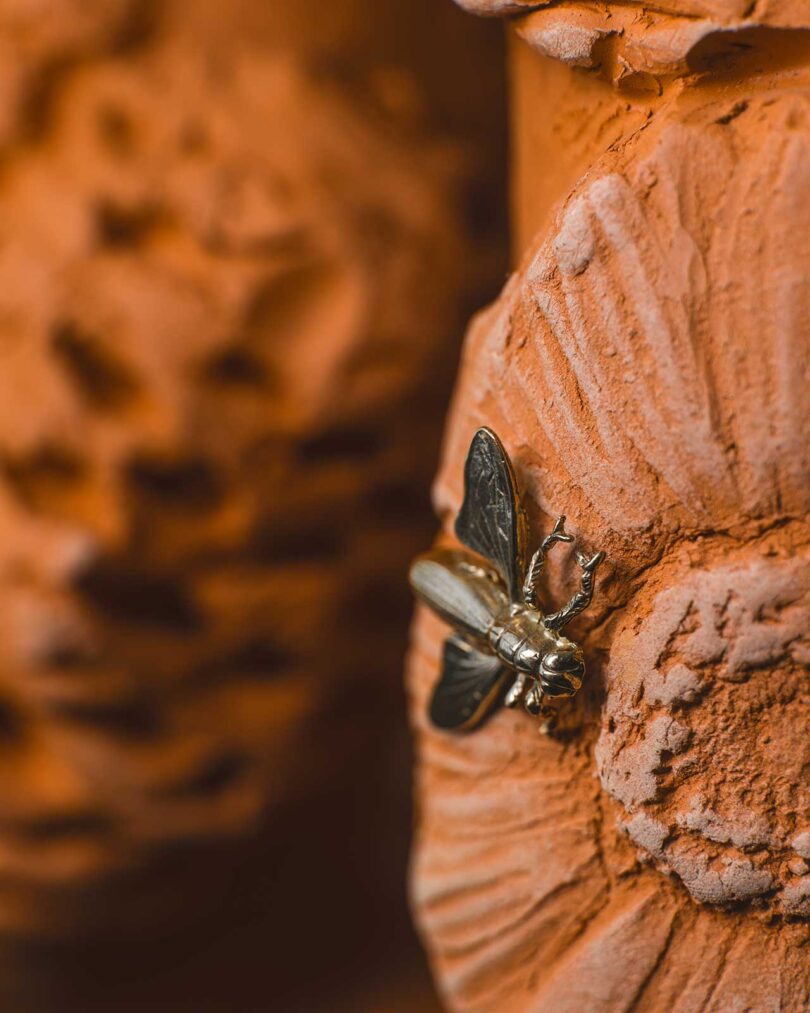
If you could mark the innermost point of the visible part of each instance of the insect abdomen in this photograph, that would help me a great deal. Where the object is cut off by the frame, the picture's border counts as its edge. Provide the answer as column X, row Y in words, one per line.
column 520, row 640
column 459, row 590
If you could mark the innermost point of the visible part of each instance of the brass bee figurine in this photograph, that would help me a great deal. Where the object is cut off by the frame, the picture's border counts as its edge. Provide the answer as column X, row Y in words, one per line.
column 500, row 629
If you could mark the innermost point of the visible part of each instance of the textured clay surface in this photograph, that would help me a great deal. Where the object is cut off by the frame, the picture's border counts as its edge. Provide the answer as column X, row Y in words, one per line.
column 646, row 368
column 638, row 45
column 229, row 268
column 704, row 740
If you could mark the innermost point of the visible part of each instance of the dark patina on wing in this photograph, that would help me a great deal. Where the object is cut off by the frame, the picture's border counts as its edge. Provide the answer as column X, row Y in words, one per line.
column 469, row 687
column 491, row 520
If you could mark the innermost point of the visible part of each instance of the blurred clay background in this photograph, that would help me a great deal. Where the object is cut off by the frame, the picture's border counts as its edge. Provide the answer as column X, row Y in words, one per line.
column 238, row 244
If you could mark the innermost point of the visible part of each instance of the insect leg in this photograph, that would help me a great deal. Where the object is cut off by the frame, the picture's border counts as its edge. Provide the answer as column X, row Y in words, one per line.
column 582, row 599
column 512, row 698
column 538, row 561
column 534, row 699
column 534, row 704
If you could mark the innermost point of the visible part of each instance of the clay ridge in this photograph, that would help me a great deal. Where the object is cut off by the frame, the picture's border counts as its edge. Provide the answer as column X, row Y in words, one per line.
column 640, row 45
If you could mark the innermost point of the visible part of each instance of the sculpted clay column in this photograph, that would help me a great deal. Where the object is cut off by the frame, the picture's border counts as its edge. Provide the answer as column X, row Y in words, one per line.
column 231, row 259
column 646, row 368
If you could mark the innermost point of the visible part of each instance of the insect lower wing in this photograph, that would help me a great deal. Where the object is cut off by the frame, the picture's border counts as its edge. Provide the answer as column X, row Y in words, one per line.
column 491, row 521
column 469, row 687
column 453, row 584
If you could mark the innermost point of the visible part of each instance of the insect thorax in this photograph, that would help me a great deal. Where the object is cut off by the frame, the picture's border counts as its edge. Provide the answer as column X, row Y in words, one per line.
column 521, row 638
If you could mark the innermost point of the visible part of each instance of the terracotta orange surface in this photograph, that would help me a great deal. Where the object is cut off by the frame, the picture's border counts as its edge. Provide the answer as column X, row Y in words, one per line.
column 645, row 367
column 234, row 257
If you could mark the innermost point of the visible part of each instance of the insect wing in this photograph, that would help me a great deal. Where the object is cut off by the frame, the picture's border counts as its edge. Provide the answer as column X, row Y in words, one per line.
column 469, row 686
column 491, row 521
column 453, row 584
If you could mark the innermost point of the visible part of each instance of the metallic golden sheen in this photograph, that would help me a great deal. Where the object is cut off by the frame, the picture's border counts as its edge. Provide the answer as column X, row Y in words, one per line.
column 490, row 599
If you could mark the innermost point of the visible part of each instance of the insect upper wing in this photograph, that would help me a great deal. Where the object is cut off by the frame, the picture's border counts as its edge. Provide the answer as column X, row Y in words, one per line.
column 469, row 686
column 491, row 521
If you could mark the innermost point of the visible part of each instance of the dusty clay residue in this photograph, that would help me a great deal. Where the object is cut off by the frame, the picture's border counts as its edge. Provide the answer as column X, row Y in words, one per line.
column 703, row 738
column 646, row 368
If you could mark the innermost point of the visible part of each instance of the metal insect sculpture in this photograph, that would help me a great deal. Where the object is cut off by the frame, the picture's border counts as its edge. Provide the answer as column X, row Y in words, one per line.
column 500, row 628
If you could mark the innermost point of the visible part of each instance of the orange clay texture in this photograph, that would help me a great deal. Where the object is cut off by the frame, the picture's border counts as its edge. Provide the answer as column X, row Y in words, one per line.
column 646, row 367
column 233, row 254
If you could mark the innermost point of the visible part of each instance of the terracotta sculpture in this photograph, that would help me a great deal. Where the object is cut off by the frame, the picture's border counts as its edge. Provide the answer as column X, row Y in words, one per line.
column 231, row 259
column 646, row 368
